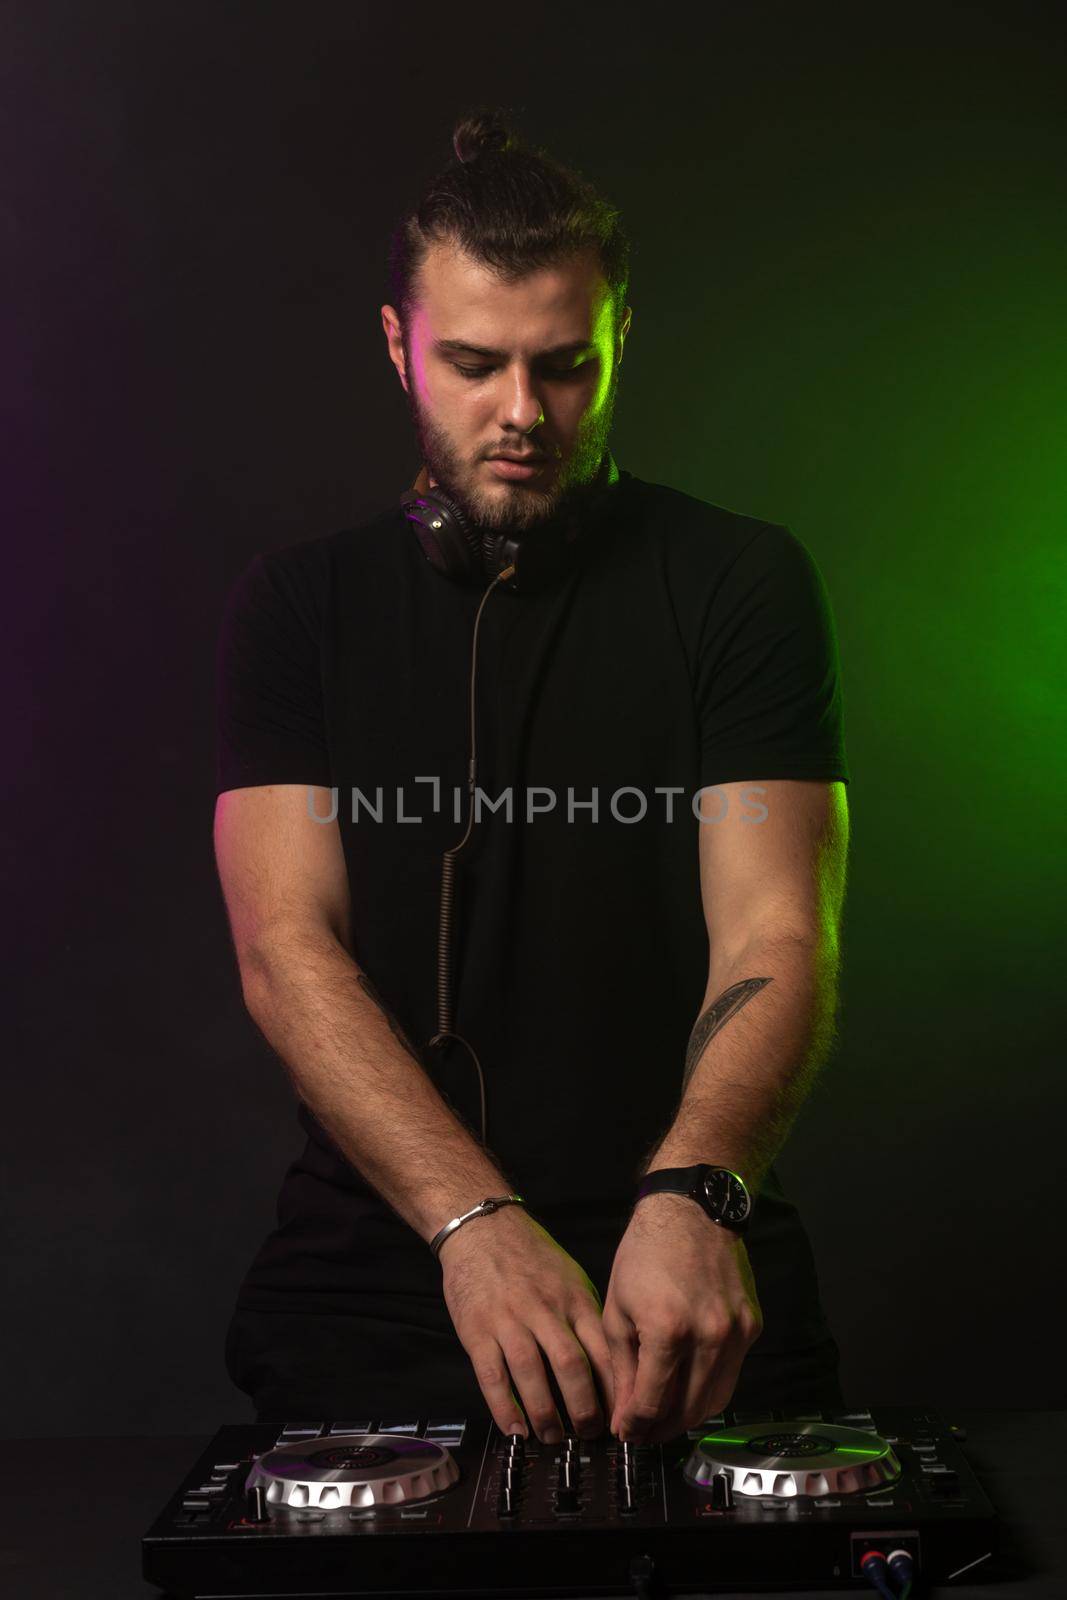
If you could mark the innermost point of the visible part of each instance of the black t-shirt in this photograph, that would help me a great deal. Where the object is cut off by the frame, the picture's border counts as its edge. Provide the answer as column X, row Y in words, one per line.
column 687, row 646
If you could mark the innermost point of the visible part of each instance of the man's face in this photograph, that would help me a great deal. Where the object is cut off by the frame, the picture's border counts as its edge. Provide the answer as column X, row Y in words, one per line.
column 527, row 369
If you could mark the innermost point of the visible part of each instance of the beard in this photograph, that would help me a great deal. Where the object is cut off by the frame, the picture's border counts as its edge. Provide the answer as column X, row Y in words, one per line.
column 519, row 506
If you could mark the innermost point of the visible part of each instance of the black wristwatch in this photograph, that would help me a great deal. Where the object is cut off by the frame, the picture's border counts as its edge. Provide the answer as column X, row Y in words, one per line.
column 717, row 1190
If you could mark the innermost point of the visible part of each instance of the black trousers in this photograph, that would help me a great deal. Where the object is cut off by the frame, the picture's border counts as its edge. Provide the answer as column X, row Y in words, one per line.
column 298, row 1366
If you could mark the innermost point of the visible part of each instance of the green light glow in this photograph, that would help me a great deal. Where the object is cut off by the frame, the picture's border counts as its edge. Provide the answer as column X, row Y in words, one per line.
column 887, row 349
column 746, row 1444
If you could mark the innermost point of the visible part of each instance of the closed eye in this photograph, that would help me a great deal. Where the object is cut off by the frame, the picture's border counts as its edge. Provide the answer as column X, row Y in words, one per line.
column 550, row 372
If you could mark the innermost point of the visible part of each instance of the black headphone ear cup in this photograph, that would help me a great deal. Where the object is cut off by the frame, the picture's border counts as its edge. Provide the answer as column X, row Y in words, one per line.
column 443, row 533
column 477, row 555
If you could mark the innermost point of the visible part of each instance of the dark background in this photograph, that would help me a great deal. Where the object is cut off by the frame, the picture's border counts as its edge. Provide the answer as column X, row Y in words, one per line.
column 848, row 300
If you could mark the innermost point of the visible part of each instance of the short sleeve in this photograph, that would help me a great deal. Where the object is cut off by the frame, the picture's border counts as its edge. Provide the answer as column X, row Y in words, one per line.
column 768, row 692
column 270, row 723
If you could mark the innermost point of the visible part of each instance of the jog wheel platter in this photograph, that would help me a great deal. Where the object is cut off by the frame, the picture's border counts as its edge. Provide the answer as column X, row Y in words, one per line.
column 357, row 1469
column 786, row 1459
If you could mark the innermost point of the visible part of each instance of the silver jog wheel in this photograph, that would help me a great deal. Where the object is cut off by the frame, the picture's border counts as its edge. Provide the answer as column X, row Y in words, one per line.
column 786, row 1459
column 353, row 1469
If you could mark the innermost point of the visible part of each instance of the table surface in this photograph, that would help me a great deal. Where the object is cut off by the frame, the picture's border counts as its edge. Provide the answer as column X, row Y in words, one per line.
column 117, row 1486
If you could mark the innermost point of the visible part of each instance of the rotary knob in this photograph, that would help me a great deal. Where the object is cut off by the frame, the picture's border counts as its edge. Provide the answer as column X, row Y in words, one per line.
column 360, row 1469
column 786, row 1459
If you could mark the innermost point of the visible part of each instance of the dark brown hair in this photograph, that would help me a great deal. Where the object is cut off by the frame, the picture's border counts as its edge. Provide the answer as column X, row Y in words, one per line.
column 511, row 207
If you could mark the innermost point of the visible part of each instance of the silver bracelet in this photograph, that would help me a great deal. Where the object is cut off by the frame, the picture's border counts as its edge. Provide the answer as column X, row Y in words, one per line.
column 486, row 1209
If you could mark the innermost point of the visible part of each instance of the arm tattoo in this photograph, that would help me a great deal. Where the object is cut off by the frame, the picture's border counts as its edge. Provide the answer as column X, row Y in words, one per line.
column 715, row 1017
column 368, row 987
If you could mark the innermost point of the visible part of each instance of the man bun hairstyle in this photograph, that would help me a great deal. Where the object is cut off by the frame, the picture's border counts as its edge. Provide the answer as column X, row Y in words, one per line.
column 510, row 206
column 481, row 132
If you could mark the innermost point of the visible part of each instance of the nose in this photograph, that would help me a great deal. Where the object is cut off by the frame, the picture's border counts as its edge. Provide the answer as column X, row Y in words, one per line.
column 521, row 406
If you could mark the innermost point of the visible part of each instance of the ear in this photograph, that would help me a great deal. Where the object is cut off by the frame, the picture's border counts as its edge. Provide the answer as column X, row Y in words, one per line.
column 624, row 328
column 395, row 341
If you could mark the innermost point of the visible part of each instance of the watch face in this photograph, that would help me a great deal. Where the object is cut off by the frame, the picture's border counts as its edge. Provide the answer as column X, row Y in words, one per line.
column 726, row 1195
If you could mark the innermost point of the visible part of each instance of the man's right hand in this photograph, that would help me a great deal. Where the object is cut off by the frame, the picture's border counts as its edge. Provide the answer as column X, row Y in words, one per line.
column 513, row 1292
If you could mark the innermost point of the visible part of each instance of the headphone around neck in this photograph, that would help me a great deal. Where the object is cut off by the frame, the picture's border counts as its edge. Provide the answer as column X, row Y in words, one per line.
column 471, row 554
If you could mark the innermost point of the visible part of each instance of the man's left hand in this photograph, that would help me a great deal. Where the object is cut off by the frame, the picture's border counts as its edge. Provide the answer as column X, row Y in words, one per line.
column 680, row 1314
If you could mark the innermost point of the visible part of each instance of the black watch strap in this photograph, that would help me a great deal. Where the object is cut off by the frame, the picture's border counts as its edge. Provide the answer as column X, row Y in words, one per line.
column 674, row 1180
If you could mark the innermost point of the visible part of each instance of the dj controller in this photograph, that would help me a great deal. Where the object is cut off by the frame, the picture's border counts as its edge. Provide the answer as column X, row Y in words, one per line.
column 388, row 1506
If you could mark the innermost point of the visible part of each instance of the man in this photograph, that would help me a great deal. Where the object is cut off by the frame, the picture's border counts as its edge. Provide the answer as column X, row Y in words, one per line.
column 650, row 982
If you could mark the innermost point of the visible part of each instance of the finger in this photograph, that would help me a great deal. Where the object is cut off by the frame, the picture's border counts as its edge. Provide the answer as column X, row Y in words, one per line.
column 590, row 1332
column 703, row 1380
column 724, row 1375
column 621, row 1337
column 491, row 1373
column 721, row 1364
column 570, row 1364
column 657, row 1363
column 671, row 1422
column 528, row 1374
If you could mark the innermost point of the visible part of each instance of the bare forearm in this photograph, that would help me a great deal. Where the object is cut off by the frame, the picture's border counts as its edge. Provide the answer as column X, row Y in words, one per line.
column 764, row 1030
column 352, row 1065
